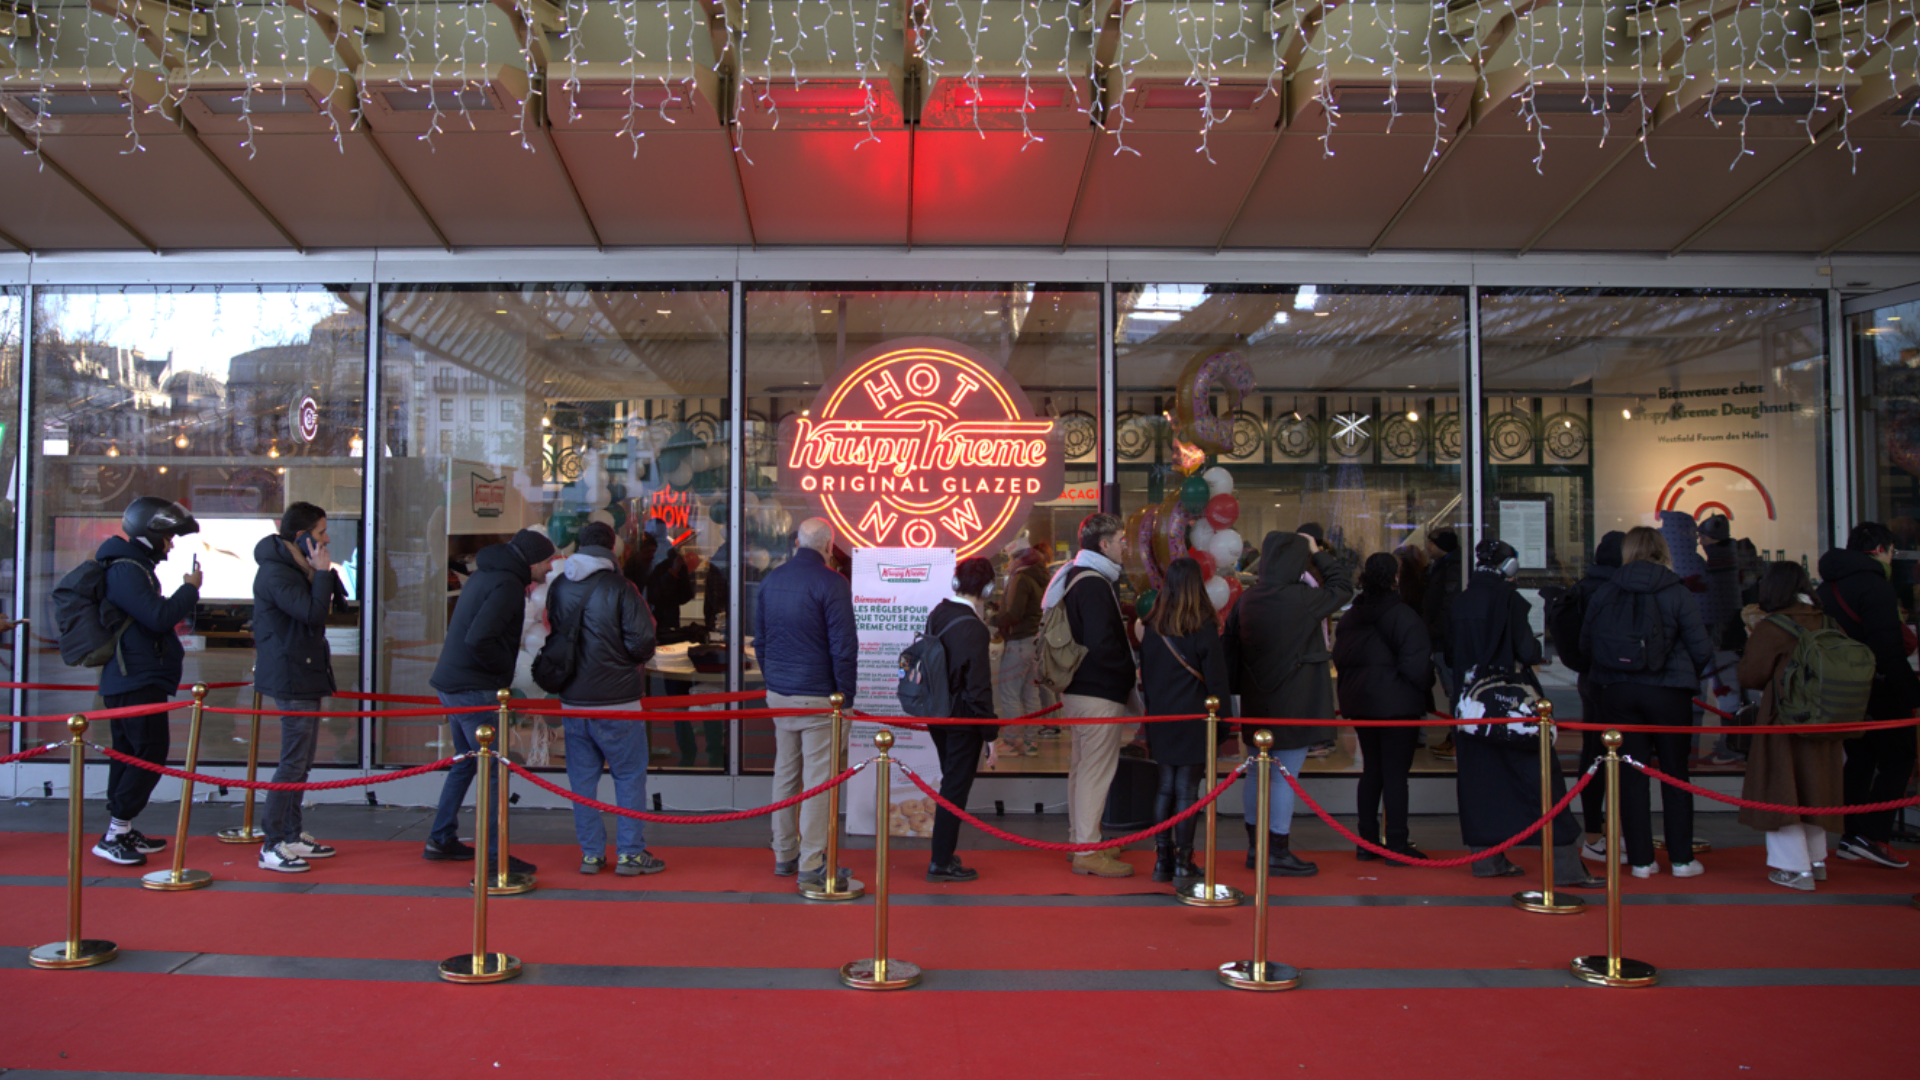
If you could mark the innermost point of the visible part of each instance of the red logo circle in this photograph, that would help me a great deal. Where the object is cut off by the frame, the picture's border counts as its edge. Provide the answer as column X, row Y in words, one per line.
column 309, row 419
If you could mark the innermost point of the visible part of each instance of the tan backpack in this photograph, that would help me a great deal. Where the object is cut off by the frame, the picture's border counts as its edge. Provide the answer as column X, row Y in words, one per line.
column 1060, row 654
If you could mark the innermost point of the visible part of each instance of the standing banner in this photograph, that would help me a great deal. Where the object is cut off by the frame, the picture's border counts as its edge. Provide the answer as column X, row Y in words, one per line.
column 894, row 589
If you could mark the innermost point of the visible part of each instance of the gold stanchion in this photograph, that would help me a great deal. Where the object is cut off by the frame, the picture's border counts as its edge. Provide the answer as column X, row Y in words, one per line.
column 1542, row 900
column 1259, row 973
column 830, row 887
column 76, row 951
column 180, row 879
column 481, row 966
column 246, row 833
column 879, row 973
column 1204, row 893
column 1613, row 969
column 504, row 881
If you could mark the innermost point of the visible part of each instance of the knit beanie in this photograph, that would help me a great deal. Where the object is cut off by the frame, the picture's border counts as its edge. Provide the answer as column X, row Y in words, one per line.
column 532, row 546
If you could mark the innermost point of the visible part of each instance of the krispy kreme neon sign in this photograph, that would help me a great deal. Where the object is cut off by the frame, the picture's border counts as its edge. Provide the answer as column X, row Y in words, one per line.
column 922, row 443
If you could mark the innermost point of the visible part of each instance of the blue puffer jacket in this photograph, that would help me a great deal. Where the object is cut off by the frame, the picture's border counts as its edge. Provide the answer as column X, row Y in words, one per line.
column 804, row 635
column 290, row 606
column 150, row 650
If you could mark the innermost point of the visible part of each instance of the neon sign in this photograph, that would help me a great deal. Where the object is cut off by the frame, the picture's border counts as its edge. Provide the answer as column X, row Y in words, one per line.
column 922, row 443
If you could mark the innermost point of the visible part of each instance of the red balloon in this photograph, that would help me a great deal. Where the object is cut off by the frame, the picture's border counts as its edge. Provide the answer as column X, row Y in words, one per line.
column 1206, row 561
column 1222, row 511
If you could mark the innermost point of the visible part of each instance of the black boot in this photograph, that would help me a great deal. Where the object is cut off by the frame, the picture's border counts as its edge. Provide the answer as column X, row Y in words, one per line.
column 1163, row 865
column 1253, row 843
column 1285, row 863
column 1183, row 864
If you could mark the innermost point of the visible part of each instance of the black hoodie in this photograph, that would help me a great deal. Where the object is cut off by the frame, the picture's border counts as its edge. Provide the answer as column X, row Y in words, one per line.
column 290, row 605
column 1276, row 640
column 1689, row 650
column 1857, row 581
column 483, row 637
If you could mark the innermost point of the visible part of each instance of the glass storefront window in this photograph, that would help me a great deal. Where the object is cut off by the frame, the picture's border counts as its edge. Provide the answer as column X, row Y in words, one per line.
column 1345, row 412
column 1886, row 343
column 234, row 402
column 1607, row 409
column 12, row 341
column 1044, row 338
column 612, row 406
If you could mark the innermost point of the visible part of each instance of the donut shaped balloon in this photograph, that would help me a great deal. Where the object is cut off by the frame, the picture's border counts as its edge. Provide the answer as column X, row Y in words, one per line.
column 1141, row 527
column 1227, row 370
column 1171, row 523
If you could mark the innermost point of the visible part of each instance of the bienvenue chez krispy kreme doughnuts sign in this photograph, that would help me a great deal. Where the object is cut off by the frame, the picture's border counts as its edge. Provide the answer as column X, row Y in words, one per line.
column 922, row 443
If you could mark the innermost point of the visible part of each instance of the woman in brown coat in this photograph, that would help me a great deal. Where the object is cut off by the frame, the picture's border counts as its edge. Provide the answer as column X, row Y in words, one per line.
column 1787, row 769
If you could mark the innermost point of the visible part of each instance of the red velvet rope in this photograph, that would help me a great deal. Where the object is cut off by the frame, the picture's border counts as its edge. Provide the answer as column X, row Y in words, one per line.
column 120, row 713
column 1077, row 849
column 1439, row 864
column 1758, row 729
column 662, row 701
column 684, row 819
column 32, row 752
column 909, row 721
column 442, row 710
column 1776, row 808
column 1722, row 713
column 268, row 785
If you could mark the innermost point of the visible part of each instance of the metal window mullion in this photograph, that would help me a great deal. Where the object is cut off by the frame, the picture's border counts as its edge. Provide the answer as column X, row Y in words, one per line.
column 1109, row 501
column 369, row 508
column 736, row 509
column 22, row 516
column 1471, row 476
column 1842, row 400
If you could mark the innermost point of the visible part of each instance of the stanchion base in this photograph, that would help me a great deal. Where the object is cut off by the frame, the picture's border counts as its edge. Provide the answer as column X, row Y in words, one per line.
column 860, row 975
column 1594, row 969
column 1699, row 846
column 855, row 890
column 240, row 836
column 493, row 967
column 514, row 885
column 1198, row 895
column 1253, row 975
column 164, row 881
column 55, row 957
column 1536, row 901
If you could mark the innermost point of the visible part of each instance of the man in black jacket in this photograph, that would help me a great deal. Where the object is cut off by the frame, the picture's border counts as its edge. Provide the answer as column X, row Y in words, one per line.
column 1606, row 560
column 1100, row 687
column 1856, row 592
column 476, row 663
column 1443, row 586
column 293, row 591
column 615, row 637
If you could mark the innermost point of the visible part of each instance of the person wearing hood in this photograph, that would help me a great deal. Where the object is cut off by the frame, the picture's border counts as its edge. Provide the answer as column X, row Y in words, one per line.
column 476, row 663
column 1101, row 685
column 1649, row 648
column 1494, row 651
column 1436, row 607
column 145, row 669
column 1720, row 610
column 613, row 639
column 1856, row 591
column 1015, row 693
column 1385, row 663
column 1593, row 801
column 1280, row 666
column 293, row 593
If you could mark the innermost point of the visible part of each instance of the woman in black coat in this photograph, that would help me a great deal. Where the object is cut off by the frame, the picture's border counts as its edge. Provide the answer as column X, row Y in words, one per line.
column 970, row 687
column 1385, row 664
column 1182, row 664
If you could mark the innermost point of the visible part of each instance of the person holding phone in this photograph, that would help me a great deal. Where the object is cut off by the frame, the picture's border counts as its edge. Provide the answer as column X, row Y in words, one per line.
column 293, row 592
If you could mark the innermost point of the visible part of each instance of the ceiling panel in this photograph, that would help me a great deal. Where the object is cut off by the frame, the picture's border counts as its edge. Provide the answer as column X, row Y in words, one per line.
column 1799, row 211
column 996, row 189
column 815, row 187
column 680, row 189
column 44, row 211
column 1488, row 195
column 300, row 177
column 1306, row 199
column 1167, row 195
column 1897, row 235
column 168, row 190
column 486, row 190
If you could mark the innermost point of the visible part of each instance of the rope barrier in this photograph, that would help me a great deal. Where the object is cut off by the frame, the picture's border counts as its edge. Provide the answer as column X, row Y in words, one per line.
column 909, row 721
column 663, row 701
column 1722, row 713
column 683, row 819
column 31, row 752
column 440, row 711
column 1775, row 808
column 269, row 785
column 1757, row 729
column 1076, row 849
column 120, row 713
column 1441, row 864
column 95, row 687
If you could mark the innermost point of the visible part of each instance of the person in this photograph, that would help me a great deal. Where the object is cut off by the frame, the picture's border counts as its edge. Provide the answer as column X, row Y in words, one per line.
column 1787, row 769
column 1015, row 692
column 476, row 663
column 808, row 650
column 1720, row 610
column 145, row 669
column 1494, row 651
column 1593, row 801
column 1100, row 687
column 1857, row 594
column 1385, row 664
column 616, row 637
column 1442, row 588
column 293, row 593
column 963, row 633
column 668, row 588
column 1413, row 581
column 1183, row 662
column 1279, row 663
column 1660, row 691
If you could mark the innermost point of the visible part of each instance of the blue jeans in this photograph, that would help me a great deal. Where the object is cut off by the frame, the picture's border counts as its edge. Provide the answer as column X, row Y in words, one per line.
column 446, row 821
column 299, row 735
column 622, row 746
column 1280, row 795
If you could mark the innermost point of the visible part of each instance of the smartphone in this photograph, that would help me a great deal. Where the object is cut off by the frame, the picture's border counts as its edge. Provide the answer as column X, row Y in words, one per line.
column 196, row 564
column 306, row 544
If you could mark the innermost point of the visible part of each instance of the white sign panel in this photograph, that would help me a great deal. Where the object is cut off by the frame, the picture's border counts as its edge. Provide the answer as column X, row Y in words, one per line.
column 894, row 589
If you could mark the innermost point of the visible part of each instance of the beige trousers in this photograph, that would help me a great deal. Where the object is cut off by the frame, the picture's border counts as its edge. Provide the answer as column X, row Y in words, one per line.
column 1096, row 755
column 802, row 758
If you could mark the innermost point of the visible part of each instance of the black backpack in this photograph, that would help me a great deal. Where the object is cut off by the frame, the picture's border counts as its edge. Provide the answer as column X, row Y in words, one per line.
column 90, row 627
column 1628, row 635
column 1566, row 609
column 925, row 689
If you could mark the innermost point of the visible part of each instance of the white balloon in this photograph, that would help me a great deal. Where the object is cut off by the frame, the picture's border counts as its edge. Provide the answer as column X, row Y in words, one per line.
column 1226, row 548
column 699, row 459
column 605, row 517
column 1219, row 481
column 1218, row 592
column 1200, row 536
column 682, row 475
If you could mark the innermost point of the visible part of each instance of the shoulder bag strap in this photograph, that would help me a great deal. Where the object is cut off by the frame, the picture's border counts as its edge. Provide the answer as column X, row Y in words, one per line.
column 1199, row 678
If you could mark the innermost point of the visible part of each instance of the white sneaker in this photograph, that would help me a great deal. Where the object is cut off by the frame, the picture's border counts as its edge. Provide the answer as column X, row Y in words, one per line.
column 1646, row 871
column 1598, row 852
column 1689, row 869
column 279, row 858
column 1819, row 871
column 308, row 848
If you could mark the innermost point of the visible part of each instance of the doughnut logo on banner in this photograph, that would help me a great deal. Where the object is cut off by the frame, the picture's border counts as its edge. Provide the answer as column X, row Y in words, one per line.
column 1714, row 487
column 922, row 443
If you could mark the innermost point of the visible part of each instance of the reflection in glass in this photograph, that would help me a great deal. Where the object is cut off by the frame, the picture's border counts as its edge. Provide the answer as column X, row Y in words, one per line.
column 1886, row 344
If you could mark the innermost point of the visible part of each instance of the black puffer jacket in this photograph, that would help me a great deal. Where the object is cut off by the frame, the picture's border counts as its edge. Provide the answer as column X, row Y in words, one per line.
column 1385, row 660
column 1874, row 621
column 483, row 637
column 1689, row 650
column 1276, row 640
column 1093, row 614
column 290, row 606
column 1443, row 588
column 616, row 630
column 969, row 668
column 1491, row 627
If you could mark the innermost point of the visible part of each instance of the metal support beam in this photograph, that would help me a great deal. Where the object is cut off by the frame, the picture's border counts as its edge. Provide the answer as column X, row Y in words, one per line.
column 736, row 509
column 566, row 177
column 22, row 516
column 193, row 136
column 20, row 135
column 1586, row 189
column 16, row 243
column 405, row 188
column 370, row 459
